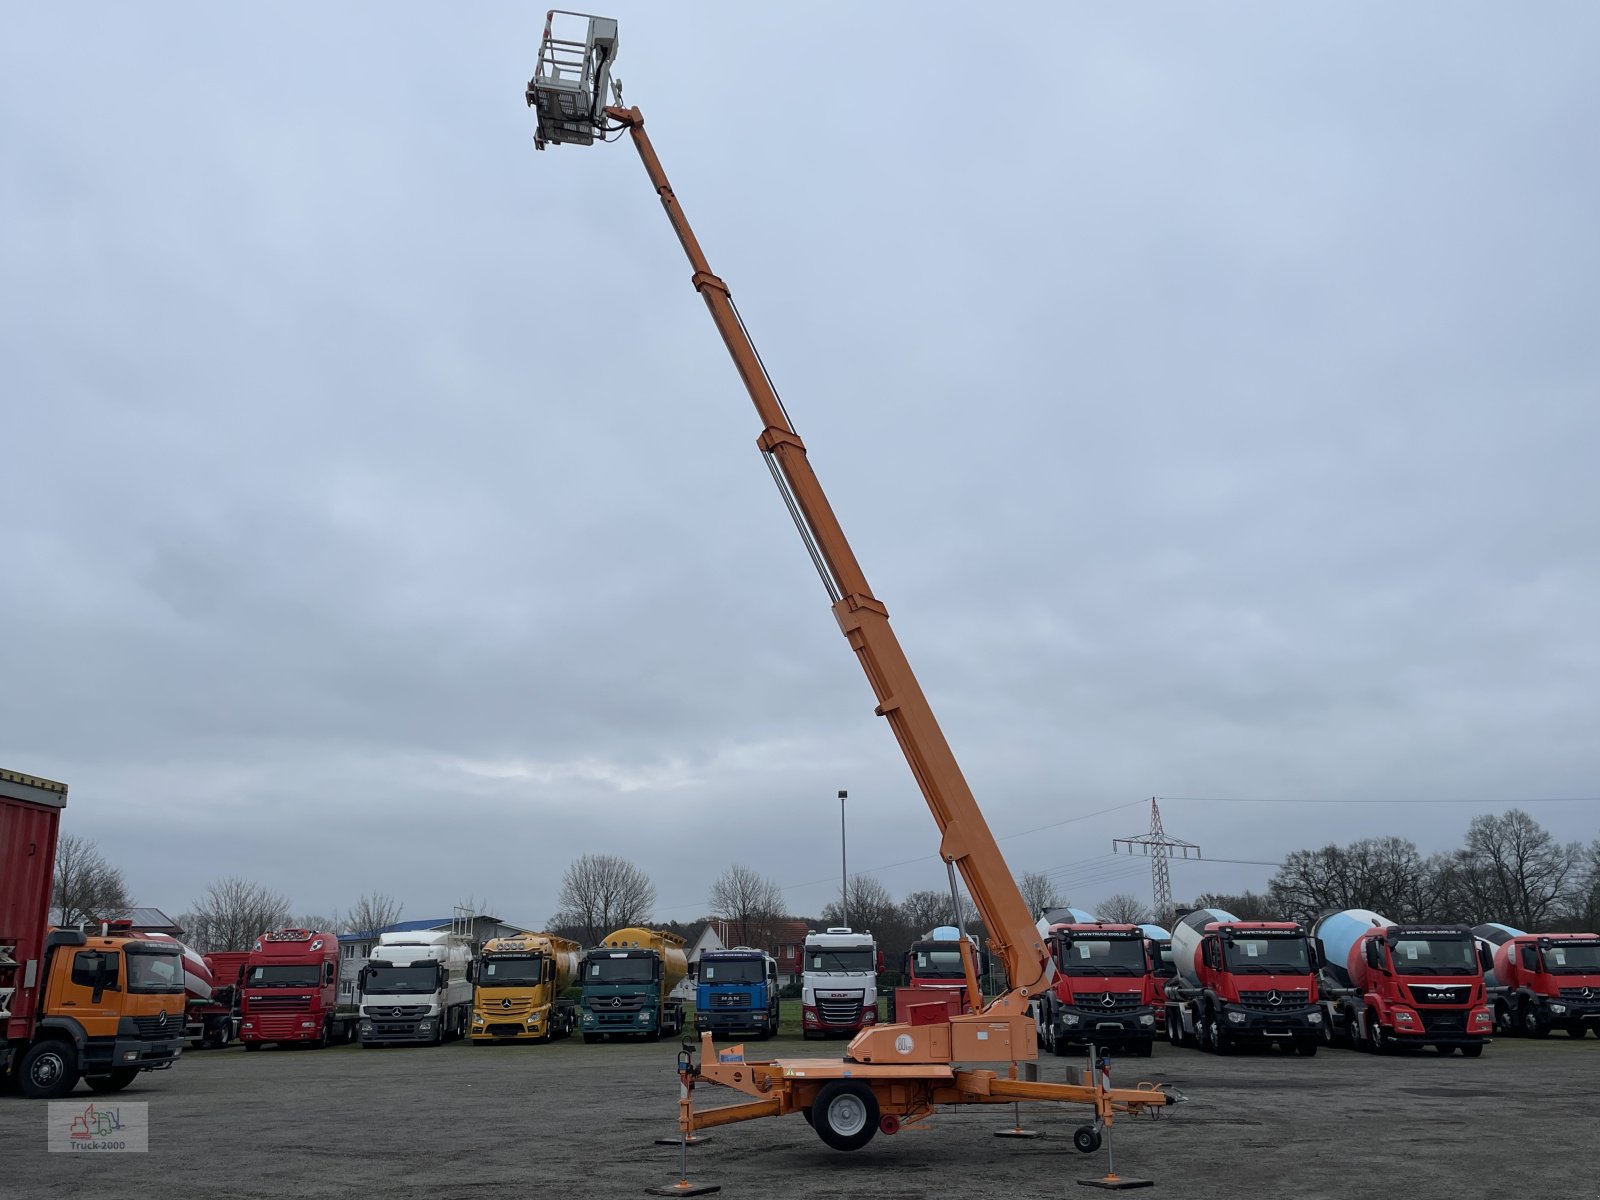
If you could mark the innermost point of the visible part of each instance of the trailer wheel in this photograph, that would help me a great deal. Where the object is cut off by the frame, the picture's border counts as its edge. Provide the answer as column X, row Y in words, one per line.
column 114, row 1082
column 48, row 1071
column 1086, row 1139
column 1475, row 1051
column 845, row 1114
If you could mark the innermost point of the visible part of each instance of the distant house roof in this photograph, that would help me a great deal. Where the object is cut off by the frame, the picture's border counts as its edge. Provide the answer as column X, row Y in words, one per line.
column 149, row 920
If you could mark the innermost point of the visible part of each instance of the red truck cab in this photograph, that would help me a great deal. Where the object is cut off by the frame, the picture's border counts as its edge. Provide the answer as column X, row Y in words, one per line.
column 1420, row 986
column 933, row 971
column 1549, row 981
column 1104, row 992
column 289, row 990
column 1244, row 981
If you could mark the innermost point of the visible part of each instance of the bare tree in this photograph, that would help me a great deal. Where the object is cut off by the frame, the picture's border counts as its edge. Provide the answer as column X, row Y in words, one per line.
column 1388, row 875
column 86, row 887
column 871, row 906
column 313, row 922
column 1040, row 892
column 233, row 913
column 1514, row 871
column 1122, row 908
column 1582, row 910
column 749, row 900
column 373, row 913
column 602, row 893
column 922, row 911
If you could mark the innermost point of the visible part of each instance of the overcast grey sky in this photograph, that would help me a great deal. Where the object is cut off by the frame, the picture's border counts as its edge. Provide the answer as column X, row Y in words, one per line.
column 1210, row 393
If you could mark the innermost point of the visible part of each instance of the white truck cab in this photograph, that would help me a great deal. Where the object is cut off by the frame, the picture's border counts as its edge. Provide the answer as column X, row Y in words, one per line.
column 839, row 982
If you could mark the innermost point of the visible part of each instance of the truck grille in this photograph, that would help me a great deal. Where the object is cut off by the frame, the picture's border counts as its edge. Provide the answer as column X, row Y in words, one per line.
column 155, row 1028
column 1581, row 993
column 1096, row 1001
column 504, row 1009
column 1286, row 999
column 840, row 1012
column 505, row 1030
column 617, row 1004
column 1443, row 1022
column 397, row 1010
column 263, row 1004
column 730, row 1000
column 1422, row 993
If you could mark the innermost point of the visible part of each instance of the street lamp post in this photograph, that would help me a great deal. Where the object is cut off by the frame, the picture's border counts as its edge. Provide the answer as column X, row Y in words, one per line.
column 844, row 869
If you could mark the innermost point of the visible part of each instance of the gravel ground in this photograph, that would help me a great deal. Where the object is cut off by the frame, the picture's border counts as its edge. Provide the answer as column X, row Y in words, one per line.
column 575, row 1120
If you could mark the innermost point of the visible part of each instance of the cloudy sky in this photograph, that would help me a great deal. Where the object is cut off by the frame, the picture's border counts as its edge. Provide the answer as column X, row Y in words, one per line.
column 1209, row 393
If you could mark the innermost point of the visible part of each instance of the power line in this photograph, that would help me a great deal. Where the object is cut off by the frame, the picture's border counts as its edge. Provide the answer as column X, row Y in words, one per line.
column 1346, row 800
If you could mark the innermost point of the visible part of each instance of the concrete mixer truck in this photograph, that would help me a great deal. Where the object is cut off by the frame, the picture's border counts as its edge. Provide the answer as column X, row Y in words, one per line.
column 628, row 981
column 1242, row 982
column 1543, row 981
column 1104, row 992
column 1385, row 986
column 519, row 986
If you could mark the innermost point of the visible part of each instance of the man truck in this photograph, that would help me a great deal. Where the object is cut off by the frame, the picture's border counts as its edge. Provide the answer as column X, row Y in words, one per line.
column 1385, row 986
column 839, row 982
column 628, row 985
column 290, row 991
column 414, row 989
column 1544, row 981
column 519, row 986
column 1104, row 992
column 1242, row 982
column 99, row 1006
column 736, row 991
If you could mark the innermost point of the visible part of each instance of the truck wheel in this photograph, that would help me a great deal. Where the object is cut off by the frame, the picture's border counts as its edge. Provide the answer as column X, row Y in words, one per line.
column 590, row 1039
column 1473, row 1051
column 1307, row 1046
column 252, row 1046
column 48, row 1071
column 1531, row 1024
column 1574, row 1030
column 224, row 1035
column 1086, row 1139
column 845, row 1114
column 114, row 1082
column 1445, row 1051
column 1221, row 1042
column 1377, row 1040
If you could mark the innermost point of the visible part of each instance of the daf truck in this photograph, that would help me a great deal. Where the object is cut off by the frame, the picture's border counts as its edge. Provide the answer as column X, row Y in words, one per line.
column 839, row 982
column 414, row 989
column 629, row 982
column 519, row 989
column 289, row 994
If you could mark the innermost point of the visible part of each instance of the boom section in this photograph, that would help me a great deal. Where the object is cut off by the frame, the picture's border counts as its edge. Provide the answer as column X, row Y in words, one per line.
column 965, row 838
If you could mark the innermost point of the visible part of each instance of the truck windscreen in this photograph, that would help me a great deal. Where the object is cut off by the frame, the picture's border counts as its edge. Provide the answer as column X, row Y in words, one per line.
column 1433, row 956
column 735, row 970
column 1267, row 955
column 1103, row 956
column 942, row 963
column 155, row 972
column 1564, row 959
column 283, row 975
column 392, row 981
column 510, row 972
column 853, row 960
column 641, row 969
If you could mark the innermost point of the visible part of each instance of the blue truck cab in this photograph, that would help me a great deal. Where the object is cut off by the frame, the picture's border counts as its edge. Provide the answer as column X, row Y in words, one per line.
column 736, row 991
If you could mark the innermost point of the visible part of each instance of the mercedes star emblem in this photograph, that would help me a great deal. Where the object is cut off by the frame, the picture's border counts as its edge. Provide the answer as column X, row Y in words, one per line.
column 1108, row 1001
column 161, row 1017
column 505, row 1004
column 616, row 1002
column 1274, row 998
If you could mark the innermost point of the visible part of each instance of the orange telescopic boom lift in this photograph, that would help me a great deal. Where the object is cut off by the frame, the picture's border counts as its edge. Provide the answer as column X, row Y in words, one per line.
column 891, row 1073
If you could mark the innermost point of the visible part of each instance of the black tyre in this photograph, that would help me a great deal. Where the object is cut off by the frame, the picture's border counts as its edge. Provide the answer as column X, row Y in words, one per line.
column 1307, row 1047
column 1352, row 1032
column 590, row 1039
column 48, row 1070
column 1532, row 1026
column 1174, row 1028
column 114, row 1082
column 1221, row 1042
column 806, row 1113
column 223, row 1036
column 1086, row 1139
column 810, row 1035
column 845, row 1114
column 1144, row 1049
column 1473, row 1051
column 1377, row 1040
column 252, row 1046
column 1574, row 1031
column 1445, row 1051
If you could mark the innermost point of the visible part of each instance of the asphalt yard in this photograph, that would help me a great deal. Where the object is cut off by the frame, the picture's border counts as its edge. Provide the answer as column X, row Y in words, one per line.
column 573, row 1120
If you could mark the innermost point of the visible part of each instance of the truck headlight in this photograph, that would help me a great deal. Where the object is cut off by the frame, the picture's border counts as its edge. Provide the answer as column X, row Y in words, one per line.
column 308, row 1024
column 425, row 1025
column 476, row 1019
column 1558, row 1009
column 534, row 1019
column 1147, row 1018
column 644, row 1018
column 1313, row 1018
column 1402, row 1017
column 366, row 1027
column 1070, row 1019
column 1236, row 1018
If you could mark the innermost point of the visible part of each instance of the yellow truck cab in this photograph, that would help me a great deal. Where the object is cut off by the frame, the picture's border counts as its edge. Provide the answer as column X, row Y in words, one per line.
column 112, row 1006
column 518, row 987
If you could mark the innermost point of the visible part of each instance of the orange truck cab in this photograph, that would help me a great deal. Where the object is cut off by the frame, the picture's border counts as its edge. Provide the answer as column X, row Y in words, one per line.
column 113, row 1006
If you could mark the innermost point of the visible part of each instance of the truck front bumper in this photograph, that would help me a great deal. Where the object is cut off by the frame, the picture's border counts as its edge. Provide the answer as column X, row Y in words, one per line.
column 734, row 1021
column 1440, row 1027
column 1276, row 1025
column 1090, row 1025
column 1572, row 1012
column 132, row 1052
column 397, row 1031
column 812, row 1020
column 603, row 1020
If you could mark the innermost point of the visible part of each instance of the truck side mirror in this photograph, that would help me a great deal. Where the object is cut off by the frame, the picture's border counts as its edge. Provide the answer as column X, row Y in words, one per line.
column 1485, row 959
column 1530, row 958
column 1313, row 957
column 1374, row 955
column 472, row 971
column 880, row 962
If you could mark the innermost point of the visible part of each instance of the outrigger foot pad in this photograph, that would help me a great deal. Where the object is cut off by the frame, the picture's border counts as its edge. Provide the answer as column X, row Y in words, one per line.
column 692, row 1140
column 1018, row 1133
column 1116, row 1183
column 684, row 1188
